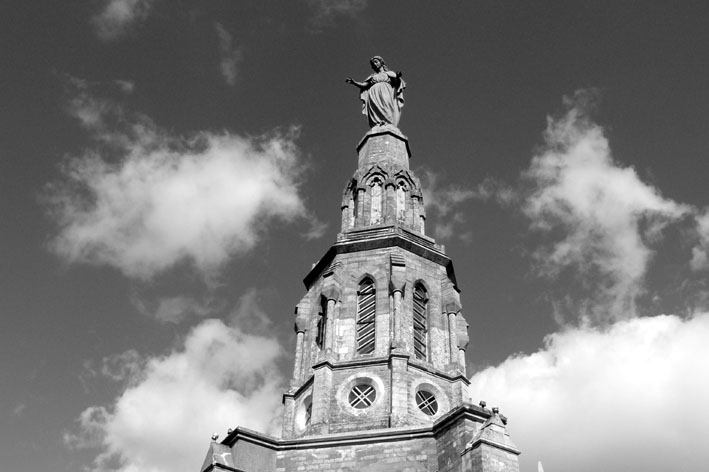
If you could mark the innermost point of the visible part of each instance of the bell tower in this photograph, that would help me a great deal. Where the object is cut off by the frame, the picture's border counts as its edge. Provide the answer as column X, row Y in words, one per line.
column 381, row 337
column 379, row 377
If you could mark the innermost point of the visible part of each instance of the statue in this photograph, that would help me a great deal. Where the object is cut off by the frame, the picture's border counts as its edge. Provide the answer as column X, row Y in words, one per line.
column 382, row 94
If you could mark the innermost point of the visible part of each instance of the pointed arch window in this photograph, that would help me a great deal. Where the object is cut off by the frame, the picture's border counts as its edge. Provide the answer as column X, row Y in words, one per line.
column 376, row 194
column 366, row 311
column 420, row 322
column 322, row 323
column 401, row 201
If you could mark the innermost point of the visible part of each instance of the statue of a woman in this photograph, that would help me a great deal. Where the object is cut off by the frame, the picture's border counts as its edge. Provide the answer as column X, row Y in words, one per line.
column 382, row 94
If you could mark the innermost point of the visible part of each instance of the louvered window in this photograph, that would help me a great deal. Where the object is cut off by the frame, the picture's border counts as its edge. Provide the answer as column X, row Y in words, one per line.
column 420, row 322
column 365, row 317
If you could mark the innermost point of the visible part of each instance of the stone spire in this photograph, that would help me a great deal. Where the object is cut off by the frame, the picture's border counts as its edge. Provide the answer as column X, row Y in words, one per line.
column 383, row 191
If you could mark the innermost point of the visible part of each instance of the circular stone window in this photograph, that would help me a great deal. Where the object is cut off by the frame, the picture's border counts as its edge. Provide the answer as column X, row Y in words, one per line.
column 362, row 396
column 426, row 402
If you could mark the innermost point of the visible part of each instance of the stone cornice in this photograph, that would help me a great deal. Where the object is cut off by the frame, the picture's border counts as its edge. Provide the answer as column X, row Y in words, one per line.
column 466, row 411
column 374, row 361
column 378, row 238
column 488, row 442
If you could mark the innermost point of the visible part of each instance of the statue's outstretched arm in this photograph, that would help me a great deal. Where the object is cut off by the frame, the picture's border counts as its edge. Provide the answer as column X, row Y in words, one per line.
column 360, row 85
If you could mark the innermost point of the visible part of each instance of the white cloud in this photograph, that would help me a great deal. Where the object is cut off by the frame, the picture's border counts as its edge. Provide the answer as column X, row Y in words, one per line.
column 632, row 397
column 231, row 56
column 118, row 17
column 700, row 253
column 221, row 377
column 325, row 11
column 144, row 200
column 603, row 217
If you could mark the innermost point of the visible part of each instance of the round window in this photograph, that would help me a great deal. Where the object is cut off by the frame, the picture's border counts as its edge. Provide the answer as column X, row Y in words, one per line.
column 362, row 396
column 426, row 402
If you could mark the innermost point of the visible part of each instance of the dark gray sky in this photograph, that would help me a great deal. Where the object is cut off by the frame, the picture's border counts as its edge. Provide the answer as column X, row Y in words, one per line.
column 169, row 171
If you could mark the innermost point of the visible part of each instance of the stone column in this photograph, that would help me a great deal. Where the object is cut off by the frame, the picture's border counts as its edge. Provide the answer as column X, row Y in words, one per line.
column 330, row 329
column 396, row 334
column 452, row 338
column 322, row 391
column 398, row 366
column 301, row 323
column 331, row 292
column 397, row 284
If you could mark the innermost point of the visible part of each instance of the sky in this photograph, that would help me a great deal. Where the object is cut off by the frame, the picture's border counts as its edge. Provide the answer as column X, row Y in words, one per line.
column 170, row 171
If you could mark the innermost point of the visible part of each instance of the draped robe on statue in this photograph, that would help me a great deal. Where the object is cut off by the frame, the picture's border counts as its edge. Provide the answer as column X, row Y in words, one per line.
column 383, row 100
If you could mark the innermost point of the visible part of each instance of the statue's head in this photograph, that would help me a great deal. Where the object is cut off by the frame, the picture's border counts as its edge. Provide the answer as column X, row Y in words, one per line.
column 377, row 62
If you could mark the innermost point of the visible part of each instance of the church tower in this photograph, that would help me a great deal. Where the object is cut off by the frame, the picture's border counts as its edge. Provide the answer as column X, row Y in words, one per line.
column 379, row 378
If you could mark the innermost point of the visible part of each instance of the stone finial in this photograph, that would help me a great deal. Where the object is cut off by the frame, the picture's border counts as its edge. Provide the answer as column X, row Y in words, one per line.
column 496, row 410
column 482, row 403
column 215, row 437
column 229, row 431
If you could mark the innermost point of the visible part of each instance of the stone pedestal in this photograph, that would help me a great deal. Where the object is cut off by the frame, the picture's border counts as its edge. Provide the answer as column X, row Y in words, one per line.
column 384, row 145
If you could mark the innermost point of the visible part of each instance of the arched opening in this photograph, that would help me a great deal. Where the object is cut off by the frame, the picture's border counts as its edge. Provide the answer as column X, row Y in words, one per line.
column 366, row 311
column 376, row 198
column 322, row 323
column 420, row 322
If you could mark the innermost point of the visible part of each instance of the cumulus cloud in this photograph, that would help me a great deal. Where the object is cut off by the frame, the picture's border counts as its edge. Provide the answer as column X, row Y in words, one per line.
column 220, row 377
column 602, row 218
column 632, row 397
column 143, row 200
column 231, row 56
column 119, row 17
column 325, row 11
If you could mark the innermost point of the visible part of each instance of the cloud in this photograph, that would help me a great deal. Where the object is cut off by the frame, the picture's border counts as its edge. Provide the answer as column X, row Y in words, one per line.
column 603, row 219
column 632, row 397
column 119, row 17
column 173, row 309
column 220, row 377
column 231, row 56
column 19, row 409
column 126, row 86
column 700, row 259
column 325, row 11
column 446, row 204
column 143, row 200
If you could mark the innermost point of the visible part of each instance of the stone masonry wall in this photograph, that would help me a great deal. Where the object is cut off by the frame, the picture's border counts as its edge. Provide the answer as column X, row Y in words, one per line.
column 416, row 455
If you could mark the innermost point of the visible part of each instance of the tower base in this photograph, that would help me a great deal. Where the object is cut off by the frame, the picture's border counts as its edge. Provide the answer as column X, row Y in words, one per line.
column 468, row 439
